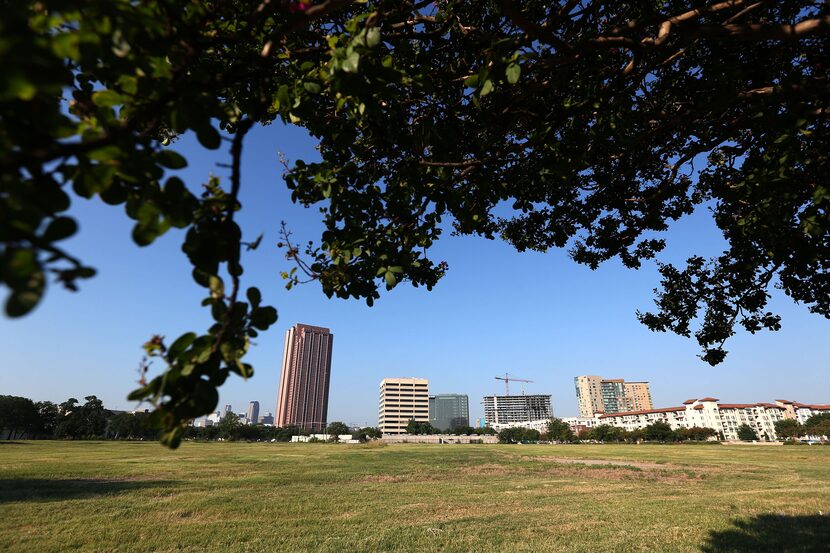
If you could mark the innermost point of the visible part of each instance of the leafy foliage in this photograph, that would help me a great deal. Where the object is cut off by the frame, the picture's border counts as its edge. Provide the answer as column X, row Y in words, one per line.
column 559, row 431
column 818, row 425
column 746, row 433
column 337, row 428
column 549, row 124
column 518, row 435
column 420, row 428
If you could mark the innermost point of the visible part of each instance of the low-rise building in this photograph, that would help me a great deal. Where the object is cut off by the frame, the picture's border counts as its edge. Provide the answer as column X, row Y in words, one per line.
column 724, row 418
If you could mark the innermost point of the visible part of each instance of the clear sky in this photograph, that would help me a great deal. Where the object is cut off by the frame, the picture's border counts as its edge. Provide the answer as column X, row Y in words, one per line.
column 539, row 316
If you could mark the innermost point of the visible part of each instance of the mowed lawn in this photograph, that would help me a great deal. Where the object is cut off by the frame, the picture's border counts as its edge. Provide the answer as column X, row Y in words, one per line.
column 109, row 496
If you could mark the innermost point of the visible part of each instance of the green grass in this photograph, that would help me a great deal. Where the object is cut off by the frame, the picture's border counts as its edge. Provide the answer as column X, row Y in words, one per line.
column 96, row 496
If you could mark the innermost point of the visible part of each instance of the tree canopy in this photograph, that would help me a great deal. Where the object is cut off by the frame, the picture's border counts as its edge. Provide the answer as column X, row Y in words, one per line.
column 570, row 124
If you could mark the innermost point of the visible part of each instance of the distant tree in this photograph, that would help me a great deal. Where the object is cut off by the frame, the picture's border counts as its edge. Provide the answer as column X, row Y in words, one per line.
column 510, row 436
column 485, row 431
column 337, row 428
column 93, row 417
column 788, row 429
column 559, row 431
column 636, row 435
column 818, row 425
column 367, row 433
column 746, row 433
column 695, row 433
column 285, row 433
column 658, row 432
column 518, row 435
column 124, row 426
column 229, row 427
column 419, row 428
column 18, row 416
column 606, row 433
column 48, row 418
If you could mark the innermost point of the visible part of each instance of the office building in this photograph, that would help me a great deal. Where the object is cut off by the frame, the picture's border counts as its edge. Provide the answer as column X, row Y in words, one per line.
column 267, row 419
column 449, row 411
column 615, row 395
column 252, row 414
column 527, row 411
column 226, row 410
column 303, row 397
column 402, row 399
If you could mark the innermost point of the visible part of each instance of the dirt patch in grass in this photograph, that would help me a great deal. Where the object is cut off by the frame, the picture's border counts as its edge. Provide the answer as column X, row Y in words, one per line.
column 585, row 468
column 394, row 478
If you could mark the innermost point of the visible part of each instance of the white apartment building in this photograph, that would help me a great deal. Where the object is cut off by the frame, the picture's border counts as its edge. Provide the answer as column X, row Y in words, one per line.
column 402, row 399
column 724, row 418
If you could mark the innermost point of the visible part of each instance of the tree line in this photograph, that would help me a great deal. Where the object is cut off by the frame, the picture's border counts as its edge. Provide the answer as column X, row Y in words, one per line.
column 20, row 418
column 424, row 428
column 817, row 425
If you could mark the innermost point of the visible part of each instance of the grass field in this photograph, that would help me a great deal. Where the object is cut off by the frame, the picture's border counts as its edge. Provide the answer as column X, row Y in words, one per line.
column 105, row 496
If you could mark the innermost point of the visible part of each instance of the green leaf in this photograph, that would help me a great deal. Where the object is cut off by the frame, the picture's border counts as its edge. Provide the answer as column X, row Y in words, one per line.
column 471, row 81
column 180, row 345
column 486, row 88
column 106, row 98
column 263, row 317
column 254, row 296
column 311, row 87
column 512, row 72
column 60, row 228
column 373, row 37
column 391, row 280
column 171, row 159
column 209, row 137
column 351, row 63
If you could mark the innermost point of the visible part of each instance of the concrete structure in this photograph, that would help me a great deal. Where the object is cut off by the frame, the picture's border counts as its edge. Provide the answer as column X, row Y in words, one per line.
column 724, row 418
column 530, row 411
column 402, row 399
column 252, row 414
column 267, row 419
column 303, row 398
column 439, row 439
column 226, row 410
column 449, row 411
column 342, row 438
column 598, row 395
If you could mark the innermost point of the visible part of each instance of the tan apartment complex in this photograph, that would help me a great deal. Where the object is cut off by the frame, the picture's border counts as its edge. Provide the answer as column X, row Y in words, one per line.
column 303, row 398
column 402, row 399
column 610, row 395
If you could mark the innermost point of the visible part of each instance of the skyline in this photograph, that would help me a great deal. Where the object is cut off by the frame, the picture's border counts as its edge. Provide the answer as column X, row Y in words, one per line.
column 537, row 316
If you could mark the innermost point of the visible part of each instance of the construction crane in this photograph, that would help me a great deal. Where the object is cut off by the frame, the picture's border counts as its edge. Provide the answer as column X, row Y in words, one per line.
column 507, row 378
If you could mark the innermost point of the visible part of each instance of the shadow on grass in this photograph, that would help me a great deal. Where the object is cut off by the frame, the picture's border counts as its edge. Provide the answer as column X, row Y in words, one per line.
column 41, row 489
column 7, row 442
column 779, row 533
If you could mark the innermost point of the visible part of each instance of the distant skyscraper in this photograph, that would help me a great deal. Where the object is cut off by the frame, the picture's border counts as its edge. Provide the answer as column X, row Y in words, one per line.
column 267, row 418
column 253, row 412
column 303, row 397
column 449, row 411
column 615, row 395
column 402, row 399
column 226, row 410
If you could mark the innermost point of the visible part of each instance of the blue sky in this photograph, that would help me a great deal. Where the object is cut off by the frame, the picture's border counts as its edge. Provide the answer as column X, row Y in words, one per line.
column 538, row 316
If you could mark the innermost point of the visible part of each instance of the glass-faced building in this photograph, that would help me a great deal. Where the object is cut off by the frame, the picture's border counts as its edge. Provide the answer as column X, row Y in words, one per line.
column 449, row 411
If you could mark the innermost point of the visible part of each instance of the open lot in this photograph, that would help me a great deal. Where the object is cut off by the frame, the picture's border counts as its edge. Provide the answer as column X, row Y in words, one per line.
column 109, row 496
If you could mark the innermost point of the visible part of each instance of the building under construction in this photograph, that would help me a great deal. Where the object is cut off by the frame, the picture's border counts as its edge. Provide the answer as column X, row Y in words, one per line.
column 531, row 411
